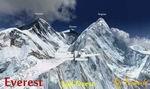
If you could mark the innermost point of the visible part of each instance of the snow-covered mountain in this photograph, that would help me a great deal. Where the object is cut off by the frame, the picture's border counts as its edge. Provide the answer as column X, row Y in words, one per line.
column 69, row 35
column 25, row 47
column 37, row 51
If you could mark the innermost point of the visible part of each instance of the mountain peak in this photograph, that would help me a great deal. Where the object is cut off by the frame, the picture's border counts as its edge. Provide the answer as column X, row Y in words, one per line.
column 101, row 19
column 36, row 22
column 42, row 21
column 102, row 22
column 99, row 26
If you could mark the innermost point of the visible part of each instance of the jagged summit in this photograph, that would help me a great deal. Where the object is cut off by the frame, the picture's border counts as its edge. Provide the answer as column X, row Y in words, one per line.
column 41, row 28
column 42, row 20
column 102, row 22
column 91, row 38
column 37, row 22
column 99, row 26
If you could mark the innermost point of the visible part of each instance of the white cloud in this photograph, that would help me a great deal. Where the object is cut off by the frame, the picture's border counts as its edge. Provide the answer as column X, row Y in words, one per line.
column 53, row 9
column 121, row 35
column 135, row 41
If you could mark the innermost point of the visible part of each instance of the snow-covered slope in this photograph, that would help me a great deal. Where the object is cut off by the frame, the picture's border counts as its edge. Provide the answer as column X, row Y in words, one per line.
column 25, row 47
column 115, row 60
column 37, row 51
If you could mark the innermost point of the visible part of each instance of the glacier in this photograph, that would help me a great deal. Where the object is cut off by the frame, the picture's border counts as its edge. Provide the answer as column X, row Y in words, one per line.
column 37, row 51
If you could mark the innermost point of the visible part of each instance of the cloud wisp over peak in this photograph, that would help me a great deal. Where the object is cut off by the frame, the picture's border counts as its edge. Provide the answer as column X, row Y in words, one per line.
column 52, row 9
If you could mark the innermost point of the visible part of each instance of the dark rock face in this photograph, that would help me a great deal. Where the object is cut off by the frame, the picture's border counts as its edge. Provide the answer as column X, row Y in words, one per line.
column 4, row 66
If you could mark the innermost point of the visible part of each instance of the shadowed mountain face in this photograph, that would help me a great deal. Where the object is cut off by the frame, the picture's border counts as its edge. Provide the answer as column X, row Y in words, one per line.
column 33, row 48
column 70, row 36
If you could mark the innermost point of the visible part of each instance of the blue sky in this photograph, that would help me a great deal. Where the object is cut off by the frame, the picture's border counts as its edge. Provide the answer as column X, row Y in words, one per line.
column 131, row 16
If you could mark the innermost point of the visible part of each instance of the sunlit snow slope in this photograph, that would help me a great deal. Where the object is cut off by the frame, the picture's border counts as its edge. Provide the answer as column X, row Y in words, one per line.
column 37, row 51
column 115, row 61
